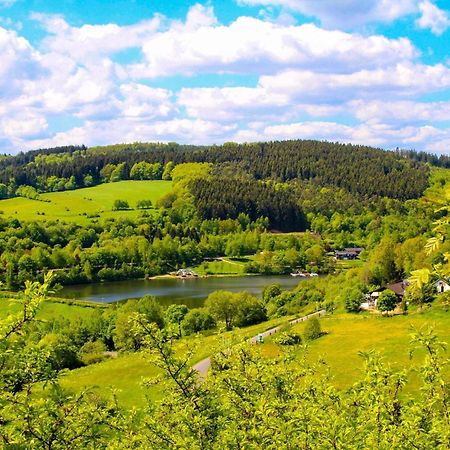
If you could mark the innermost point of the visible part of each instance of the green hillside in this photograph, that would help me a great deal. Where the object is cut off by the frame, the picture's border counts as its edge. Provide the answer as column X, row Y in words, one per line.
column 347, row 335
column 81, row 204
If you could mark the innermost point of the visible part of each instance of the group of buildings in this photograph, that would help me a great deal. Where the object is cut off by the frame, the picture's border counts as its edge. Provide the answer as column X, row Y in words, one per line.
column 398, row 289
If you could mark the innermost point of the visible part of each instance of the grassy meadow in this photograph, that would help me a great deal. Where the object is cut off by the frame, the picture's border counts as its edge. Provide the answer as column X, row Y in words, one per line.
column 125, row 374
column 50, row 308
column 81, row 205
column 225, row 266
column 349, row 334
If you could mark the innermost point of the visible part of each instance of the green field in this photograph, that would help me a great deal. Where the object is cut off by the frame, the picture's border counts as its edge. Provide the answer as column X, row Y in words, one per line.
column 348, row 334
column 223, row 267
column 125, row 374
column 349, row 264
column 81, row 205
column 50, row 308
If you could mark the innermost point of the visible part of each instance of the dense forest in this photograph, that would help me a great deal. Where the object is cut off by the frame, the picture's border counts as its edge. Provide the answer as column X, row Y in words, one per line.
column 364, row 171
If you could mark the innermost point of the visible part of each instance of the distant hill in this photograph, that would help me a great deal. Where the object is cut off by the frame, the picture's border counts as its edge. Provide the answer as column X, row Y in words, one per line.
column 361, row 170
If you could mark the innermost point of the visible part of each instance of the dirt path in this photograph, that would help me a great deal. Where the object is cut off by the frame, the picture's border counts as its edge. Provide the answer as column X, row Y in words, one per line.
column 203, row 366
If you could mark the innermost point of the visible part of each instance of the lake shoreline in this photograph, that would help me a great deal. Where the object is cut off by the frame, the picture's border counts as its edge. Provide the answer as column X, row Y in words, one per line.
column 174, row 290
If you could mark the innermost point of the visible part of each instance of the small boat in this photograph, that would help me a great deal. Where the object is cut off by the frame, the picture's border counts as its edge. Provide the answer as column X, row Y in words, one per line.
column 186, row 273
column 299, row 273
column 313, row 274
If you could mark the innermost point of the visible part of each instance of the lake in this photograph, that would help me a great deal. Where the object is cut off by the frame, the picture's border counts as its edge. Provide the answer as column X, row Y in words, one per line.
column 191, row 292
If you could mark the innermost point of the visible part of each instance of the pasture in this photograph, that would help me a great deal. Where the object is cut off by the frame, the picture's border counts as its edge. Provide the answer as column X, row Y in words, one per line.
column 82, row 205
column 347, row 335
column 51, row 308
column 125, row 374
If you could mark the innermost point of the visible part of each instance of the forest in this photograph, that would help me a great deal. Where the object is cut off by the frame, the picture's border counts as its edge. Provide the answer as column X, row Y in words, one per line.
column 273, row 207
column 364, row 171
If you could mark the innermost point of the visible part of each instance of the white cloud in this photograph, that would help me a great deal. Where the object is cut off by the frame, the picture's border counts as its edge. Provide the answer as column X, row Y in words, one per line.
column 309, row 79
column 250, row 45
column 132, row 130
column 19, row 63
column 295, row 92
column 88, row 42
column 400, row 112
column 437, row 20
column 345, row 13
column 399, row 80
column 377, row 134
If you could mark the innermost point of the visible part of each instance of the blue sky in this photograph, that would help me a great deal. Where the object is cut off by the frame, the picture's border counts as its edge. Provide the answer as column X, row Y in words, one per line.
column 94, row 72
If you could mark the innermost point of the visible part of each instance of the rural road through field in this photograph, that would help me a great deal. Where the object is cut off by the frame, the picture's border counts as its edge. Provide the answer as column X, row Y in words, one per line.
column 203, row 366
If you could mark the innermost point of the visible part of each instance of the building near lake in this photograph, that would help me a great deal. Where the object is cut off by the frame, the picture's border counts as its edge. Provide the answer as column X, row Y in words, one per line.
column 349, row 253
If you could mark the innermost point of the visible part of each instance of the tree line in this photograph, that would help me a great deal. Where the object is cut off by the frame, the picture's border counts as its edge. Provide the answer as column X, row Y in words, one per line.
column 358, row 169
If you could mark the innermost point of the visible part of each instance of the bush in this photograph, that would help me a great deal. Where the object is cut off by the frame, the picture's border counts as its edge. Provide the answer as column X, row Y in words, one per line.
column 353, row 299
column 387, row 301
column 92, row 352
column 144, row 204
column 288, row 338
column 312, row 329
column 197, row 320
column 120, row 205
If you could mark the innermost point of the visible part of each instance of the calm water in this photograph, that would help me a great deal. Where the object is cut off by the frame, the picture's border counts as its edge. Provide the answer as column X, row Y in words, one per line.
column 191, row 292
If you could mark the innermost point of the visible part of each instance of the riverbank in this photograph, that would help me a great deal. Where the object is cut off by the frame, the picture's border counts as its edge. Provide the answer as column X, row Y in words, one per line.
column 169, row 290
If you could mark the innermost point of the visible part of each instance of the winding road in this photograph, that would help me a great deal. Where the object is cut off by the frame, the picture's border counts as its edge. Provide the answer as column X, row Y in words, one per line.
column 203, row 366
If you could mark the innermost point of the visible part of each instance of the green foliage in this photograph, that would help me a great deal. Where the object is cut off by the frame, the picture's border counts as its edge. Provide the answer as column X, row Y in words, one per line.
column 387, row 301
column 353, row 297
column 52, row 419
column 227, row 198
column 270, row 292
column 288, row 338
column 146, row 171
column 250, row 310
column 144, row 204
column 313, row 329
column 167, row 173
column 305, row 410
column 197, row 319
column 120, row 205
column 88, row 180
column 149, row 308
column 223, row 307
column 118, row 173
column 235, row 309
column 175, row 314
column 3, row 191
column 27, row 192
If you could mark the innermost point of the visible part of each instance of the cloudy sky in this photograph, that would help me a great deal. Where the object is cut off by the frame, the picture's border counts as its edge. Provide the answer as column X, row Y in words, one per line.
column 96, row 72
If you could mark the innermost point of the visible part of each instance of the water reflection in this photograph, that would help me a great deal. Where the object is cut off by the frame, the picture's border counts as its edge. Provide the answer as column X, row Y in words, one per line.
column 191, row 292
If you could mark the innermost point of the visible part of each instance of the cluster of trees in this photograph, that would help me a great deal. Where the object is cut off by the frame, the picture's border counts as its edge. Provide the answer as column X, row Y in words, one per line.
column 90, row 337
column 228, row 197
column 133, row 248
column 357, row 169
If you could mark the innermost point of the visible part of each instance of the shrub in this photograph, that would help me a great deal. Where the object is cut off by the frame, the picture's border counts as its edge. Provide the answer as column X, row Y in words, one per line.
column 387, row 301
column 312, row 329
column 288, row 338
column 353, row 299
column 120, row 205
column 197, row 320
column 144, row 204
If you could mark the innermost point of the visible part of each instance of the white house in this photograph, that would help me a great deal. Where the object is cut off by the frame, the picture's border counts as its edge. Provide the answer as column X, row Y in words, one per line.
column 442, row 286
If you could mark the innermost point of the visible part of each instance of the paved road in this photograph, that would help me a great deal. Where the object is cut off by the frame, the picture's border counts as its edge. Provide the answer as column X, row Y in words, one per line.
column 203, row 366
